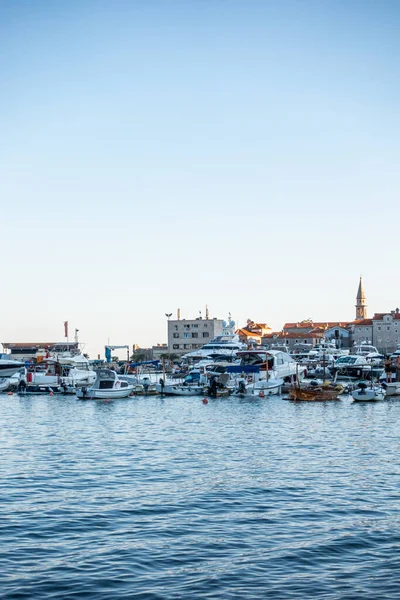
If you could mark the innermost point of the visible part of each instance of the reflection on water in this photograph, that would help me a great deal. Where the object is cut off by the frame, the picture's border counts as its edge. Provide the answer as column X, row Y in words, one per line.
column 170, row 498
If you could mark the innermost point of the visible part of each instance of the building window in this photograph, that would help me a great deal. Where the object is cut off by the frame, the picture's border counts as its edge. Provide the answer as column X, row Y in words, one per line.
column 195, row 335
column 205, row 325
column 195, row 326
column 359, row 329
column 176, row 327
column 187, row 346
column 175, row 346
column 379, row 328
column 387, row 328
column 205, row 334
column 186, row 335
column 187, row 326
column 176, row 335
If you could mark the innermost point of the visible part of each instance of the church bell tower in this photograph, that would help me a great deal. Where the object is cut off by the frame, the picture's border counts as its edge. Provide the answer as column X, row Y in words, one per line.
column 361, row 306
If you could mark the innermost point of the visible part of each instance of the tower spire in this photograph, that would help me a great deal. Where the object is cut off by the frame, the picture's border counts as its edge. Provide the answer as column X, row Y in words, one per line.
column 361, row 305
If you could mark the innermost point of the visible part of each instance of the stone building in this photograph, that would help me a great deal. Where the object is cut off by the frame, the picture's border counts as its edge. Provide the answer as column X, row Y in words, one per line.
column 386, row 328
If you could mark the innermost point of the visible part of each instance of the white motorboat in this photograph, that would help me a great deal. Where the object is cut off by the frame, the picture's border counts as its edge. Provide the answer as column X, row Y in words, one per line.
column 260, row 388
column 364, row 349
column 9, row 367
column 106, row 387
column 64, row 373
column 272, row 364
column 364, row 393
column 180, row 389
column 4, row 385
column 392, row 389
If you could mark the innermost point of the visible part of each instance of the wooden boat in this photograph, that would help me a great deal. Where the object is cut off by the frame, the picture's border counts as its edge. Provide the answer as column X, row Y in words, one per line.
column 297, row 393
column 316, row 394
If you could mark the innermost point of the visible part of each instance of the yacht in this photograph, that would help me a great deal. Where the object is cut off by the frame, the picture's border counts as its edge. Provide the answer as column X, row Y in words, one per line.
column 272, row 364
column 364, row 349
column 63, row 373
column 227, row 345
column 9, row 367
column 355, row 366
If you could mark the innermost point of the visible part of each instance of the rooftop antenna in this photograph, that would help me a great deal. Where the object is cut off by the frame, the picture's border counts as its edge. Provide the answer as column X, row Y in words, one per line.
column 207, row 313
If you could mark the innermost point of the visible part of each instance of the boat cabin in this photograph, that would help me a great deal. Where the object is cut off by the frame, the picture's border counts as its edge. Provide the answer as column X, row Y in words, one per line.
column 106, row 380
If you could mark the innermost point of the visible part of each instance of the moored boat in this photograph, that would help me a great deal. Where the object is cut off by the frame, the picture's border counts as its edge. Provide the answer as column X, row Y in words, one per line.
column 392, row 389
column 107, row 386
column 364, row 393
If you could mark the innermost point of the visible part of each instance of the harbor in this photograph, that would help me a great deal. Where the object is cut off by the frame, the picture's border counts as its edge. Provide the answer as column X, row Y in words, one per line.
column 200, row 314
column 319, row 362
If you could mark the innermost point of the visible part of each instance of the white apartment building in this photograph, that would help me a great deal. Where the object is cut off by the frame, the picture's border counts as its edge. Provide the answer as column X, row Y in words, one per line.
column 185, row 335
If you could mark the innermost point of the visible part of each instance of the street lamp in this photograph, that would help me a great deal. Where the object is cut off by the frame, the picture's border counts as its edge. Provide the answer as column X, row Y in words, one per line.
column 168, row 315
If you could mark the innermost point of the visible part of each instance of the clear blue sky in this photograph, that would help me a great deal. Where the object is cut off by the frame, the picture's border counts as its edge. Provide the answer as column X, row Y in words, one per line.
column 159, row 154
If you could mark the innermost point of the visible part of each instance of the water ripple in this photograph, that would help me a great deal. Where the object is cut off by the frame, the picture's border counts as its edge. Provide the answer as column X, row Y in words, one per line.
column 168, row 498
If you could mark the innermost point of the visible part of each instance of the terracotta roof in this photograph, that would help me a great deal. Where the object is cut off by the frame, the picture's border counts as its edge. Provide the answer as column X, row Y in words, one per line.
column 314, row 325
column 379, row 316
column 292, row 336
column 247, row 333
column 363, row 322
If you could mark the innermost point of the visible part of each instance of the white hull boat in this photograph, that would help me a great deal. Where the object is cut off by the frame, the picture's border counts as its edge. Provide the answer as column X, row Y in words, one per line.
column 180, row 390
column 368, row 394
column 4, row 385
column 8, row 368
column 261, row 388
column 106, row 387
column 392, row 389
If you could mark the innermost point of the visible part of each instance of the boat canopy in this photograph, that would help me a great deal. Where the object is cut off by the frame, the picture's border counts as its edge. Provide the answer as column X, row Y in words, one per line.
column 243, row 369
column 155, row 363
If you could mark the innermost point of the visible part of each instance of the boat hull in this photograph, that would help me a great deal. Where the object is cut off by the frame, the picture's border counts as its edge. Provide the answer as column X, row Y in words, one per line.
column 104, row 394
column 9, row 370
column 392, row 389
column 180, row 390
column 368, row 395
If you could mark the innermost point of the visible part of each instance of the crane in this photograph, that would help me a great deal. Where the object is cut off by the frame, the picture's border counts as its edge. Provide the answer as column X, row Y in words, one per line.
column 109, row 349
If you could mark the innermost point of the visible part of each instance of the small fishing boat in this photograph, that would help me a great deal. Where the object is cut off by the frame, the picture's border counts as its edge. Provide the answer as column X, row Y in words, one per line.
column 364, row 393
column 260, row 388
column 180, row 389
column 107, row 386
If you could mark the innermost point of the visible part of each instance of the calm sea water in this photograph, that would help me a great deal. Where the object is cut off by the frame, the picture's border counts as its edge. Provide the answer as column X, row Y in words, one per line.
column 151, row 498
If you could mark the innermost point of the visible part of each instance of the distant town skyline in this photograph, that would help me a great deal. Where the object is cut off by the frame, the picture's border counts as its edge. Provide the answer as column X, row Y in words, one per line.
column 167, row 154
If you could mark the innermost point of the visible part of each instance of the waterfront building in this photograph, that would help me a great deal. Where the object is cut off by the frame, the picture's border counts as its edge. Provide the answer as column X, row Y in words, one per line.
column 291, row 341
column 190, row 334
column 386, row 328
